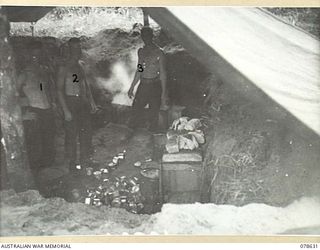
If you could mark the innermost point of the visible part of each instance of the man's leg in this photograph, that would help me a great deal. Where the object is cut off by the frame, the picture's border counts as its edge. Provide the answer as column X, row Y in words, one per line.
column 85, row 134
column 154, row 105
column 139, row 102
column 33, row 143
column 71, row 132
column 48, row 129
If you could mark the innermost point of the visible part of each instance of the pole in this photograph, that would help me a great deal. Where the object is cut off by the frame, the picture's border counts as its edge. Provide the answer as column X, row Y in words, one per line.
column 145, row 18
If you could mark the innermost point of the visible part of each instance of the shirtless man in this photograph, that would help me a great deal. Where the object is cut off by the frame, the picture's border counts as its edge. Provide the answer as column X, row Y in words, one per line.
column 152, row 76
column 74, row 95
column 36, row 99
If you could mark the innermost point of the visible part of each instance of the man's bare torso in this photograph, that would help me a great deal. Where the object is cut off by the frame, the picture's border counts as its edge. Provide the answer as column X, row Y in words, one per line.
column 73, row 78
column 149, row 58
column 35, row 87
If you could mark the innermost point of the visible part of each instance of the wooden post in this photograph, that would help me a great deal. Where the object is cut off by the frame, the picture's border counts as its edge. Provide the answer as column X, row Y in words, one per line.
column 145, row 18
column 18, row 170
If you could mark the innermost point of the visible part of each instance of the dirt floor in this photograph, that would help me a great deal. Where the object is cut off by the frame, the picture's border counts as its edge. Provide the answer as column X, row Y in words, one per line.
column 249, row 158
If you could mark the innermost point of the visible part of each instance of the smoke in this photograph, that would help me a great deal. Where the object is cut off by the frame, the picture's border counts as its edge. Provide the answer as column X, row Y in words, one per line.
column 119, row 82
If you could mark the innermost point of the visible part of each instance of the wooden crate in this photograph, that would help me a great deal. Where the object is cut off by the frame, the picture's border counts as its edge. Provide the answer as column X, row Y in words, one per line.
column 180, row 181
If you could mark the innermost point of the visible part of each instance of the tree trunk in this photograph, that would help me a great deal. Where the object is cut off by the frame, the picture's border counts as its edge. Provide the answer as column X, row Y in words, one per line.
column 18, row 170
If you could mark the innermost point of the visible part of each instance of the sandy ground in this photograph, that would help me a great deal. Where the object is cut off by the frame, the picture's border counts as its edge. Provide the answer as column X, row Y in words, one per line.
column 30, row 214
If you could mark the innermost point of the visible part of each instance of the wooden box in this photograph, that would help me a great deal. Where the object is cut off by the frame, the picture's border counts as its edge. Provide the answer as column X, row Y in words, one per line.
column 179, row 180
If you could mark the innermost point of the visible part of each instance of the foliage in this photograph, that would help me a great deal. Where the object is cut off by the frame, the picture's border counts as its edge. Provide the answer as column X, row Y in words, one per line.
column 305, row 18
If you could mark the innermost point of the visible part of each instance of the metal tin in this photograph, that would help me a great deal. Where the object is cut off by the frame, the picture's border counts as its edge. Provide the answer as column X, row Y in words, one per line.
column 97, row 174
column 137, row 164
column 116, row 202
column 112, row 164
column 115, row 160
column 87, row 201
column 132, row 182
column 135, row 189
column 89, row 171
column 105, row 170
column 121, row 156
column 116, row 193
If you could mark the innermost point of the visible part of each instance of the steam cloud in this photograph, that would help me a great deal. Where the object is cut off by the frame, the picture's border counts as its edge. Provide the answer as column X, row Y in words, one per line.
column 119, row 82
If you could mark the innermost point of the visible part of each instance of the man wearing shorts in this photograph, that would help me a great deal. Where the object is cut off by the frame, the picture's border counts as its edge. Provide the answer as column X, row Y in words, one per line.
column 74, row 95
column 152, row 76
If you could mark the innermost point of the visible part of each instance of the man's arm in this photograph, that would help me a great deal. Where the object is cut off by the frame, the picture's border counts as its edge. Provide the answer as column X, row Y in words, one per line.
column 93, row 105
column 136, row 78
column 163, row 79
column 88, row 86
column 61, row 99
column 51, row 91
column 21, row 81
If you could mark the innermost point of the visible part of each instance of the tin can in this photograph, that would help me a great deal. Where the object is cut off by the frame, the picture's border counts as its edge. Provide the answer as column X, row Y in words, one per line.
column 123, row 199
column 137, row 164
column 116, row 193
column 104, row 170
column 116, row 202
column 112, row 164
column 115, row 160
column 87, row 201
column 89, row 171
column 135, row 178
column 97, row 174
column 132, row 181
column 98, row 204
column 120, row 156
column 135, row 189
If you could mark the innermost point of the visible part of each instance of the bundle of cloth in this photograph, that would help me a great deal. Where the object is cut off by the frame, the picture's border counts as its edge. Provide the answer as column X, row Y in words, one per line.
column 185, row 133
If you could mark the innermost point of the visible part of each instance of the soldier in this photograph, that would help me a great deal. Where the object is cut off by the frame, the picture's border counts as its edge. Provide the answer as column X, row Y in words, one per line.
column 36, row 99
column 151, row 73
column 75, row 97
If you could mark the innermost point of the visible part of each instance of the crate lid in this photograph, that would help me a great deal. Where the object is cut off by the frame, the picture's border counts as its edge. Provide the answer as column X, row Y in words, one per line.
column 183, row 156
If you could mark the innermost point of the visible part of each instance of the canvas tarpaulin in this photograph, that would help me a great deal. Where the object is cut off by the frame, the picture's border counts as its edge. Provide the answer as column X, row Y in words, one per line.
column 264, row 58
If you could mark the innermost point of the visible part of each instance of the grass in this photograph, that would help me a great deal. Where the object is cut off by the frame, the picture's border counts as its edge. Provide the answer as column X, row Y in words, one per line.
column 306, row 18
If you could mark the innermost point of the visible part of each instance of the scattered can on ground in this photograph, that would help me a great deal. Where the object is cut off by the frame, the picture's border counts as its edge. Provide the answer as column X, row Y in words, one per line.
column 89, row 171
column 137, row 164
column 97, row 174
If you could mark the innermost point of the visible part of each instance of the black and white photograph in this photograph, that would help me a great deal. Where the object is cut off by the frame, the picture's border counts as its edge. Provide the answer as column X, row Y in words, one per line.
column 168, row 120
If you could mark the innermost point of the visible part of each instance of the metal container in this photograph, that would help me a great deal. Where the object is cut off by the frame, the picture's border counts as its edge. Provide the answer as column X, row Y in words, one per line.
column 89, row 171
column 87, row 201
column 97, row 174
